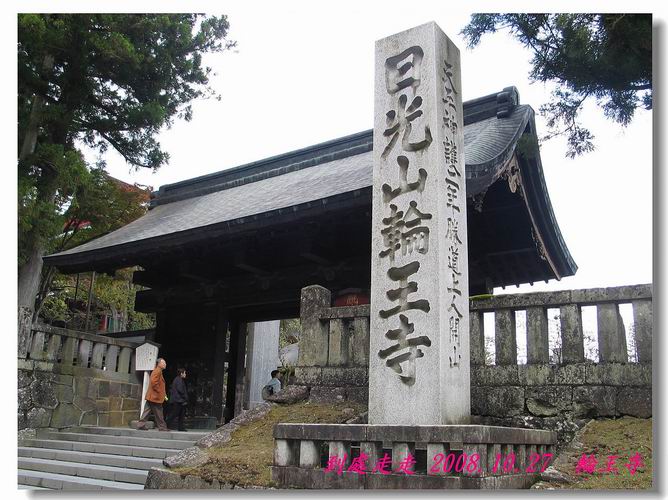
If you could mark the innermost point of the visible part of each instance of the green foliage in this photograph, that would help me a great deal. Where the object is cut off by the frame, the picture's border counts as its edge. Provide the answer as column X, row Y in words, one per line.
column 105, row 203
column 40, row 218
column 110, row 294
column 100, row 80
column 117, row 293
column 607, row 57
column 117, row 79
column 140, row 320
column 289, row 332
column 55, row 309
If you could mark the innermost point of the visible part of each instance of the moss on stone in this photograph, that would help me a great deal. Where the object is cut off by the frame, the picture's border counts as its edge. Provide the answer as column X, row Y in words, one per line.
column 601, row 438
column 246, row 458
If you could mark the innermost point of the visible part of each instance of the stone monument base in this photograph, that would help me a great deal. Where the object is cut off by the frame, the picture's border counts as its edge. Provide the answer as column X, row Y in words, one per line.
column 340, row 456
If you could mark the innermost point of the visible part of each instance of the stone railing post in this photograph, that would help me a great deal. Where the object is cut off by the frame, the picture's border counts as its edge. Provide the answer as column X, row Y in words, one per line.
column 477, row 338
column 572, row 340
column 611, row 334
column 538, row 350
column 359, row 345
column 341, row 450
column 399, row 453
column 372, row 449
column 314, row 342
column 97, row 358
column 436, row 453
column 285, row 452
column 125, row 360
column 505, row 339
column 479, row 449
column 69, row 351
column 37, row 346
column 112, row 357
column 309, row 454
column 338, row 343
column 642, row 318
column 53, row 347
column 84, row 353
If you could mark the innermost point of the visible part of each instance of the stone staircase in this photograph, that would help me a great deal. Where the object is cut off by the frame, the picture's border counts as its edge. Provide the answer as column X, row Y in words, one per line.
column 96, row 458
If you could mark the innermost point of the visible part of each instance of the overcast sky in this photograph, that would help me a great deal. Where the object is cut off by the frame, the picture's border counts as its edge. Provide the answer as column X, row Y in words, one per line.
column 303, row 74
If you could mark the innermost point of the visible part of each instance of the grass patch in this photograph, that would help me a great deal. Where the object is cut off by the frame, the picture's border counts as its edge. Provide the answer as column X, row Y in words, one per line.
column 601, row 438
column 245, row 459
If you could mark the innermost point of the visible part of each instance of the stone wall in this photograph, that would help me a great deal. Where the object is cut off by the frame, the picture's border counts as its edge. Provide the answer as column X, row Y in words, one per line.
column 540, row 394
column 68, row 378
column 333, row 349
column 582, row 390
column 560, row 398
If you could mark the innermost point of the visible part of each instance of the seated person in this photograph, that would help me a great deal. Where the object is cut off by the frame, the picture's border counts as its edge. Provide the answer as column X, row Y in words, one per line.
column 272, row 387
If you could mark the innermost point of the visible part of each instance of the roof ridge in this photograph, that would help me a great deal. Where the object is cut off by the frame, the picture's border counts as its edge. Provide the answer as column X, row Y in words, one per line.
column 499, row 104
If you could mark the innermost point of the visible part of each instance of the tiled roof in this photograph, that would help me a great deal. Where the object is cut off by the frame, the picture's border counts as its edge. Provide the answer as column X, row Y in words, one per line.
column 321, row 171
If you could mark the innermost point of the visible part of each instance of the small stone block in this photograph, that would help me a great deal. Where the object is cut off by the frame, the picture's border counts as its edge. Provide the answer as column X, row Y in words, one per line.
column 309, row 454
column 520, row 451
column 284, row 452
column 533, row 460
column 475, row 467
column 494, row 454
column 400, row 452
column 373, row 450
column 436, row 454
column 341, row 450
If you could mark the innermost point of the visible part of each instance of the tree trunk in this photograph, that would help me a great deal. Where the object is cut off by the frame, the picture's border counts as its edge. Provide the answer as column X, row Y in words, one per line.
column 31, row 272
column 90, row 298
column 29, row 277
column 30, row 139
column 45, row 283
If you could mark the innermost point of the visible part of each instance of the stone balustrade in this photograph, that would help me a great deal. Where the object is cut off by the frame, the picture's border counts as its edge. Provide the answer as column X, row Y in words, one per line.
column 610, row 335
column 69, row 378
column 446, row 456
column 334, row 354
column 70, row 348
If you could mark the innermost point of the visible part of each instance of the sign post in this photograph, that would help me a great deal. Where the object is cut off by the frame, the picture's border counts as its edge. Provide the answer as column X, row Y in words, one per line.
column 145, row 357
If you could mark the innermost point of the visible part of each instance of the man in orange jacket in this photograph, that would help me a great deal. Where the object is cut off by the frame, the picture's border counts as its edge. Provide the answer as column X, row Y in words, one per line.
column 155, row 397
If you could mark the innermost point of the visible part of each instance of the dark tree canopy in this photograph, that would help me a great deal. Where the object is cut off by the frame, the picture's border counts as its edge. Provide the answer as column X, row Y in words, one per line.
column 98, row 80
column 607, row 57
column 111, row 79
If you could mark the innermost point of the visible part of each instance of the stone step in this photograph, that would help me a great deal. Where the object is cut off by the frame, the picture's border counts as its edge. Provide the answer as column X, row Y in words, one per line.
column 121, row 431
column 90, row 458
column 149, row 441
column 112, row 449
column 53, row 481
column 118, row 474
column 26, row 487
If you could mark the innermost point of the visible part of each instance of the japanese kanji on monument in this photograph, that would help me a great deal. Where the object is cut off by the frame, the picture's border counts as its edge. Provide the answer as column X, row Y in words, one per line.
column 419, row 345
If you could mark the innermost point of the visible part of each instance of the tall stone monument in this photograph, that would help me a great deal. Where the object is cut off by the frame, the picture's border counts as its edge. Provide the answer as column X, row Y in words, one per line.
column 419, row 349
column 419, row 367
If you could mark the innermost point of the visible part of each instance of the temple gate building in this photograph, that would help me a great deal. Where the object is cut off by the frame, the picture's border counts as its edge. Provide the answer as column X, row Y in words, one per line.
column 223, row 250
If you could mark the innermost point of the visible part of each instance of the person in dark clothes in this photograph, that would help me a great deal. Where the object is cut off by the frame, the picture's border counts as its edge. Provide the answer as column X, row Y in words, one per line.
column 178, row 400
